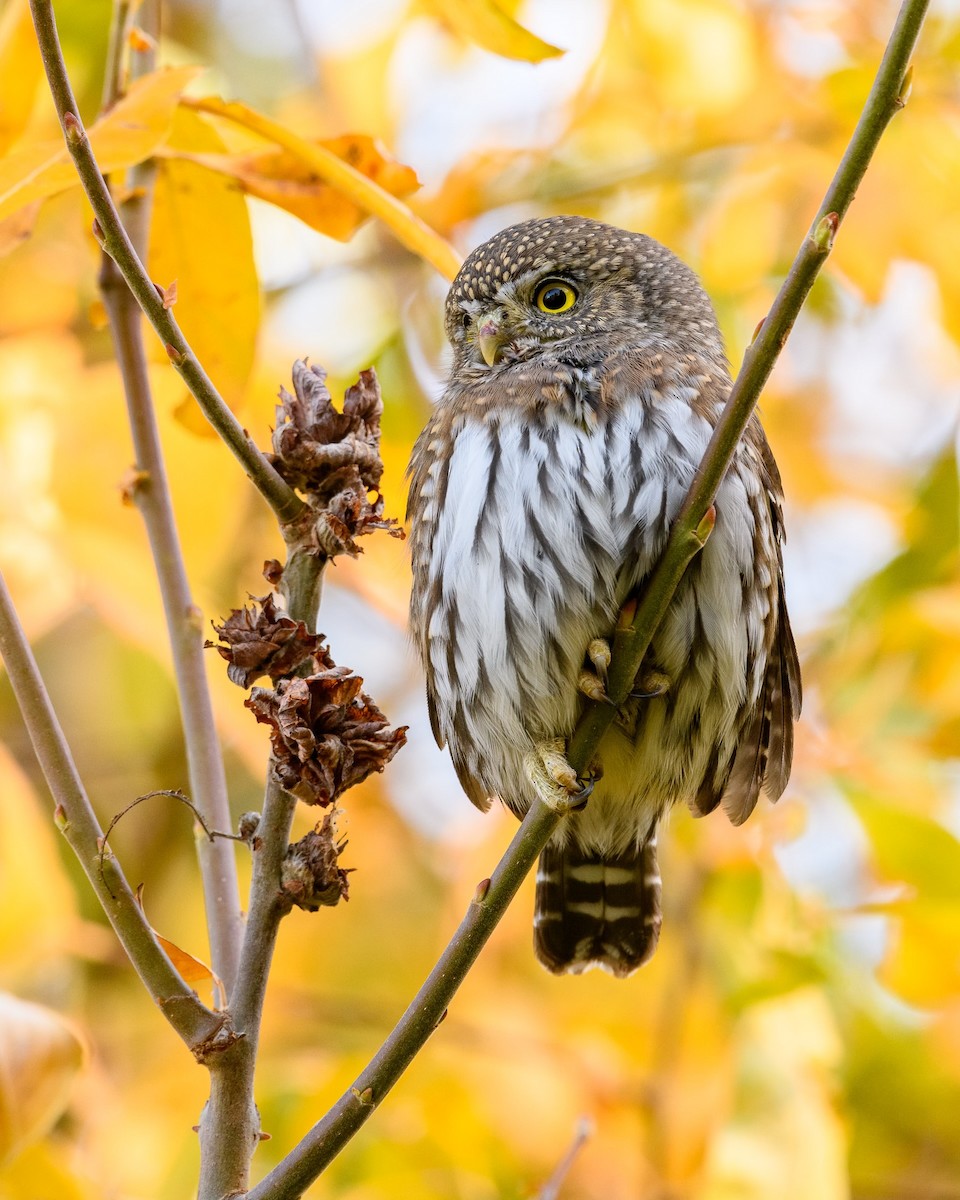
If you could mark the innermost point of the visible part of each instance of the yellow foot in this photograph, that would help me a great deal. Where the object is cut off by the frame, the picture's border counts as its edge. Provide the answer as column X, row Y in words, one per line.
column 594, row 683
column 556, row 782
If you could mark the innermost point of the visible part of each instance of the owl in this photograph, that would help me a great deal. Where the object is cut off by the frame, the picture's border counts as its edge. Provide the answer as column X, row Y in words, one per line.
column 588, row 374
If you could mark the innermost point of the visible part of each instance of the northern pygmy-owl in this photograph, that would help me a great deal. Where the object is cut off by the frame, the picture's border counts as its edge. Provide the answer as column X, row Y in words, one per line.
column 588, row 373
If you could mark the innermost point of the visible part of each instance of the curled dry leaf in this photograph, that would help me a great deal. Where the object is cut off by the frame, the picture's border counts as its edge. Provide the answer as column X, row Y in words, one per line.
column 327, row 734
column 333, row 457
column 39, row 1056
column 265, row 642
column 311, row 877
column 284, row 179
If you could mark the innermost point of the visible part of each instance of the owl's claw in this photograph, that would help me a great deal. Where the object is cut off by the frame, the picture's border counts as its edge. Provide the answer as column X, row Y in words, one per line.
column 556, row 782
column 593, row 683
column 650, row 684
column 599, row 654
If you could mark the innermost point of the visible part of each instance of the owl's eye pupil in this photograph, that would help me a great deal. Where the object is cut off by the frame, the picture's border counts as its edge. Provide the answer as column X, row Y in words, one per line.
column 555, row 297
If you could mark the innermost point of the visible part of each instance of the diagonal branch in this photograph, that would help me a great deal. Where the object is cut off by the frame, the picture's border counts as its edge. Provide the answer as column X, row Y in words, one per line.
column 205, row 1032
column 116, row 242
column 328, row 1137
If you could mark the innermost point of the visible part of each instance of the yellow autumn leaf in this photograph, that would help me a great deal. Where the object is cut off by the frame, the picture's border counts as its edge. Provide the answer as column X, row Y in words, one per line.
column 200, row 236
column 39, row 1056
column 405, row 225
column 20, row 71
column 18, row 226
column 285, row 180
column 126, row 135
column 485, row 23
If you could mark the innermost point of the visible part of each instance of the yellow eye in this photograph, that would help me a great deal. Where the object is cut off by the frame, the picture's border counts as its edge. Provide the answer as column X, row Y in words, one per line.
column 555, row 296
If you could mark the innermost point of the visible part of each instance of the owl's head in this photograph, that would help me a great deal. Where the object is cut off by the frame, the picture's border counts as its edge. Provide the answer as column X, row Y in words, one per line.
column 575, row 290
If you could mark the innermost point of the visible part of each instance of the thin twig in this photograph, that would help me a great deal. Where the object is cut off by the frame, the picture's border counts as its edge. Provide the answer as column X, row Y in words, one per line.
column 115, row 242
column 171, row 794
column 203, row 1031
column 551, row 1189
column 325, row 1140
column 151, row 493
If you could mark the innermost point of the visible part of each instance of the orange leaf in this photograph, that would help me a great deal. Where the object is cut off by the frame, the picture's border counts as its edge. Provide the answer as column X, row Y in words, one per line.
column 320, row 161
column 192, row 970
column 282, row 178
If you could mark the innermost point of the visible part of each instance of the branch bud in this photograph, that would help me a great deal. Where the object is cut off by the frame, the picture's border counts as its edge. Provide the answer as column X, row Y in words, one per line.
column 906, row 87
column 705, row 528
column 174, row 354
column 73, row 130
column 826, row 231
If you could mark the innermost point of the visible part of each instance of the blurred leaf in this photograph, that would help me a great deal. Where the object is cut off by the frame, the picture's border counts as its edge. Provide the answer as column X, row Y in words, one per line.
column 20, row 71
column 283, row 179
column 931, row 556
column 405, row 225
column 39, row 1056
column 911, row 848
column 486, row 23
column 126, row 135
column 200, row 237
column 782, row 972
column 43, row 1172
column 922, row 963
column 18, row 226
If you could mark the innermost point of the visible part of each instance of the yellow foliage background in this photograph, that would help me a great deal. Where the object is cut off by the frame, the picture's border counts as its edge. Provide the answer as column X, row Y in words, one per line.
column 798, row 1033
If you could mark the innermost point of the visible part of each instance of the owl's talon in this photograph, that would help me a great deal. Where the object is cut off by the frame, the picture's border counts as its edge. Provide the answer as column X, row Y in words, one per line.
column 593, row 683
column 578, row 800
column 650, row 684
column 556, row 782
column 599, row 654
column 592, row 687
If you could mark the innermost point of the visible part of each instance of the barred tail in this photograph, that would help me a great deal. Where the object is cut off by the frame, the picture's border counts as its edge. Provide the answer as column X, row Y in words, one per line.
column 593, row 910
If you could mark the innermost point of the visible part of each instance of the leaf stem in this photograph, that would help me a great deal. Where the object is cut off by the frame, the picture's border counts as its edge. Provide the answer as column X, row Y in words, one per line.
column 203, row 1031
column 116, row 242
column 151, row 494
column 688, row 534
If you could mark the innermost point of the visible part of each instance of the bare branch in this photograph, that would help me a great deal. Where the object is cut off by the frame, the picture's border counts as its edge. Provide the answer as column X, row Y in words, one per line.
column 205, row 1032
column 151, row 494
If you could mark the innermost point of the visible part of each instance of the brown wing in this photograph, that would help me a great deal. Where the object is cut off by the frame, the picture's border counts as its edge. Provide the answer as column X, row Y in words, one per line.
column 765, row 753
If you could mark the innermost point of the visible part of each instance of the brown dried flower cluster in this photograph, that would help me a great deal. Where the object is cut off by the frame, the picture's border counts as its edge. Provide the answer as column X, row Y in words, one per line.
column 327, row 734
column 311, row 877
column 265, row 642
column 333, row 457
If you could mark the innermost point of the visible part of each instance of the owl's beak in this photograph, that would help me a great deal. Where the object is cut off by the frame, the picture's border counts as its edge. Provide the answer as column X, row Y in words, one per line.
column 491, row 339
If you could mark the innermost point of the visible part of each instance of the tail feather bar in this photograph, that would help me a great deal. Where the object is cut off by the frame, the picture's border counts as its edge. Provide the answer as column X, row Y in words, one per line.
column 593, row 910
